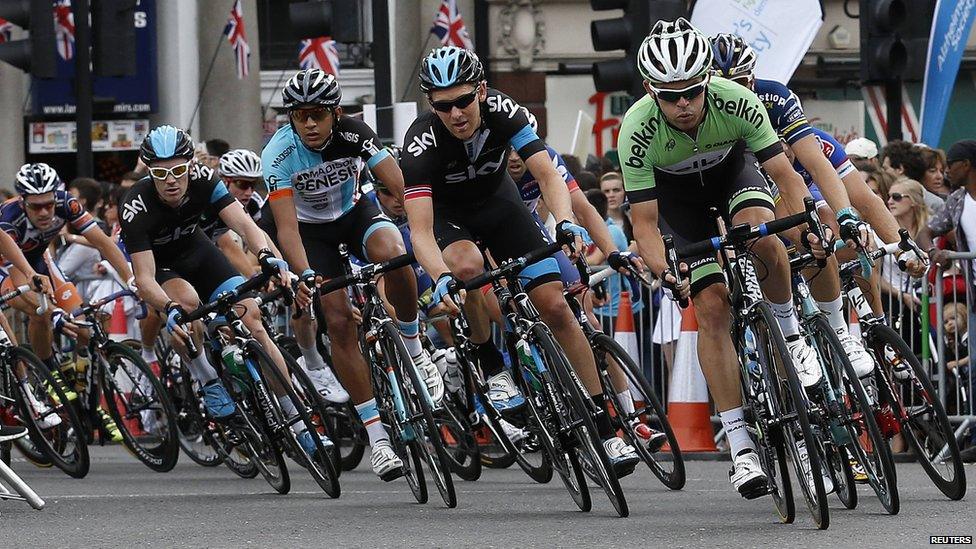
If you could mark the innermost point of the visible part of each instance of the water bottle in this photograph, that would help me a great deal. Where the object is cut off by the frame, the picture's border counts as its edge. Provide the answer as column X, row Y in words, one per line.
column 528, row 363
column 233, row 359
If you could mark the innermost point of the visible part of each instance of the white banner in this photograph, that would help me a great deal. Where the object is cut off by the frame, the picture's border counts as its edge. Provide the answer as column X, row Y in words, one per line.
column 780, row 31
column 107, row 135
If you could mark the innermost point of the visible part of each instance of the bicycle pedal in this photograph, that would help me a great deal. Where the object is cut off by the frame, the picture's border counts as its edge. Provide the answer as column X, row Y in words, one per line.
column 756, row 488
column 392, row 474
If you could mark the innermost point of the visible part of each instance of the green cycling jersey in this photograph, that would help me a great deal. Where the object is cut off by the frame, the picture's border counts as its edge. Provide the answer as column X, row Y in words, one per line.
column 651, row 149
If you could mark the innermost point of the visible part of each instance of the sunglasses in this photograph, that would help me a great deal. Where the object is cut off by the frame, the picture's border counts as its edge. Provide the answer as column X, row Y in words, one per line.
column 898, row 197
column 37, row 206
column 243, row 184
column 317, row 114
column 460, row 102
column 177, row 171
column 689, row 93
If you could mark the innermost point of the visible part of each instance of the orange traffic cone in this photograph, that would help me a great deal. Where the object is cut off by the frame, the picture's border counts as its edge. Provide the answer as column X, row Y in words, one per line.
column 688, row 408
column 624, row 332
column 118, row 325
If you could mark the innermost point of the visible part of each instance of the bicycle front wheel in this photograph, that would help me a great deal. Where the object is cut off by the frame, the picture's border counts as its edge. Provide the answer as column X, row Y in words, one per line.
column 648, row 411
column 138, row 404
column 920, row 413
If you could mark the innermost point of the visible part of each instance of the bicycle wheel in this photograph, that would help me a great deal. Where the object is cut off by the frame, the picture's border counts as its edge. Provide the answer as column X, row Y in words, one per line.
column 920, row 414
column 419, row 412
column 318, row 407
column 320, row 464
column 138, row 403
column 64, row 444
column 647, row 410
column 793, row 404
column 238, row 460
column 843, row 476
column 577, row 408
column 857, row 413
column 459, row 439
column 192, row 431
column 257, row 442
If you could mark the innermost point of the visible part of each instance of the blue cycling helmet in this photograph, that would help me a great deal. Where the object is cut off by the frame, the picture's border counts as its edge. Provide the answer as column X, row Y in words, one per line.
column 449, row 66
column 166, row 142
column 731, row 56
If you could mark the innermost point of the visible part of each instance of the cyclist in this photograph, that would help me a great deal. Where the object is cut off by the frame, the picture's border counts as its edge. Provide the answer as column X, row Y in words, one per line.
column 459, row 190
column 33, row 220
column 817, row 159
column 175, row 263
column 683, row 149
column 312, row 167
column 240, row 170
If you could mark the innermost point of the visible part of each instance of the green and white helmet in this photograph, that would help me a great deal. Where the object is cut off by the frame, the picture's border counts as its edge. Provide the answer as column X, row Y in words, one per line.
column 674, row 51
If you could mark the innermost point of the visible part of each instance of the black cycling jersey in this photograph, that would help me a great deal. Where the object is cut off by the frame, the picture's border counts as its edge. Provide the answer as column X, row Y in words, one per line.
column 149, row 224
column 214, row 227
column 436, row 164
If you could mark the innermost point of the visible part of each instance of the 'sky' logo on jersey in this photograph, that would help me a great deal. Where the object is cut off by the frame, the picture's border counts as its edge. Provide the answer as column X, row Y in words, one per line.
column 421, row 142
column 131, row 208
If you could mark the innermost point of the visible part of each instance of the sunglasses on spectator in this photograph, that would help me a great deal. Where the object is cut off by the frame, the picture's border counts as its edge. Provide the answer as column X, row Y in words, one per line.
column 317, row 114
column 689, row 93
column 898, row 197
column 459, row 102
column 177, row 171
column 37, row 206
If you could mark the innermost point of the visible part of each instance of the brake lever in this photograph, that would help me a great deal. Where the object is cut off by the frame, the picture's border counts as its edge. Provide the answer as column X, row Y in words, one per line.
column 671, row 256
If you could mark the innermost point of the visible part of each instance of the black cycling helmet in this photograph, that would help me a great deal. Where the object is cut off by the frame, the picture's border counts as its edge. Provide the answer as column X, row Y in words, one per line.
column 449, row 66
column 36, row 179
column 732, row 57
column 166, row 142
column 311, row 88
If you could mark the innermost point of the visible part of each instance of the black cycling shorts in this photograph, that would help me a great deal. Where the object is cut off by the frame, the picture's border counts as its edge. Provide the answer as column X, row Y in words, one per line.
column 503, row 225
column 684, row 204
column 353, row 229
column 203, row 265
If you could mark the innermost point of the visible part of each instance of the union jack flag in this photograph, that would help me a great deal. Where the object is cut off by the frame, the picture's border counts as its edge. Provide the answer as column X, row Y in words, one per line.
column 64, row 29
column 234, row 31
column 319, row 53
column 449, row 26
column 6, row 27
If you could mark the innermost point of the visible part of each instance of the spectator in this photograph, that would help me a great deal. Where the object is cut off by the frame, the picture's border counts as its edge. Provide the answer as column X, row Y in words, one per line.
column 880, row 180
column 934, row 179
column 903, row 158
column 573, row 164
column 612, row 186
column 6, row 194
column 88, row 192
column 587, row 180
column 607, row 312
column 129, row 179
column 217, row 147
column 907, row 205
column 863, row 153
column 954, row 326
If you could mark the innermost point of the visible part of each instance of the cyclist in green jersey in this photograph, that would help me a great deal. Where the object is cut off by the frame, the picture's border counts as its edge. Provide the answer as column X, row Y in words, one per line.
column 684, row 148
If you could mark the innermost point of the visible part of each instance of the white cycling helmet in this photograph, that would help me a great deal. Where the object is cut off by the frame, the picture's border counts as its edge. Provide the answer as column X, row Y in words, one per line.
column 674, row 51
column 240, row 163
column 36, row 179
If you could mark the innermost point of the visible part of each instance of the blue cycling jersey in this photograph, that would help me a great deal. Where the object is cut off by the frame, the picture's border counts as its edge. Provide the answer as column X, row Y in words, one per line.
column 784, row 109
column 529, row 187
column 323, row 183
column 834, row 152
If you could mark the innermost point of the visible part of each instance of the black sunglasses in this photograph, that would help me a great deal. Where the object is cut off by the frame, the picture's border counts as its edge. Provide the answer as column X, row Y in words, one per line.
column 689, row 93
column 459, row 102
column 898, row 197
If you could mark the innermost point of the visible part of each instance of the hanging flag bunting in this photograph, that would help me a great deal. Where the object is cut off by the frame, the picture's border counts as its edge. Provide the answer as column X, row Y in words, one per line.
column 234, row 31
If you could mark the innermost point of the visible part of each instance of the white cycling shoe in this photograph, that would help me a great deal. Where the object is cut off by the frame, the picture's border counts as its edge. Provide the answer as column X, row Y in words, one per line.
column 805, row 361
column 386, row 464
column 747, row 476
column 860, row 359
column 41, row 412
column 431, row 376
column 326, row 383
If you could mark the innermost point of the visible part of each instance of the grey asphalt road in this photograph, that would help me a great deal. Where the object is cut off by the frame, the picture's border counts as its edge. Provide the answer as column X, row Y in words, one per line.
column 122, row 504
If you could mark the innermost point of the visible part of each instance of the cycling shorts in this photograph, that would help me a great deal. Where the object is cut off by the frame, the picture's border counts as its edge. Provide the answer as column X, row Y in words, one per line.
column 503, row 224
column 684, row 206
column 204, row 266
column 322, row 240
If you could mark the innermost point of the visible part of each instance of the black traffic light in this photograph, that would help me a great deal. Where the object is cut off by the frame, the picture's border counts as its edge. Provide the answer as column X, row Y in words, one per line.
column 340, row 19
column 114, row 37
column 36, row 54
column 626, row 33
column 884, row 55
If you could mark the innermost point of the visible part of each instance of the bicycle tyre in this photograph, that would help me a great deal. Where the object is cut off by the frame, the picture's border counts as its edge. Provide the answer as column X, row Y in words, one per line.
column 437, row 461
column 317, row 405
column 163, row 457
column 917, row 431
column 578, row 402
column 464, row 454
column 860, row 419
column 785, row 374
column 191, row 425
column 673, row 478
column 322, row 466
column 64, row 446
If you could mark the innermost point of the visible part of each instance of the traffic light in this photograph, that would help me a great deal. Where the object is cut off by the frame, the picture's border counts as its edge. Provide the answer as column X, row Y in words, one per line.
column 340, row 19
column 626, row 33
column 114, row 37
column 884, row 55
column 36, row 54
